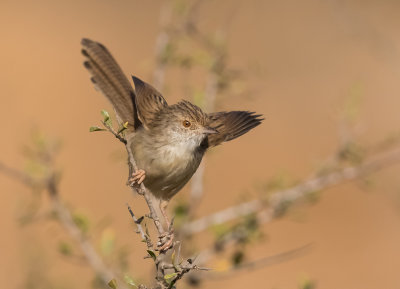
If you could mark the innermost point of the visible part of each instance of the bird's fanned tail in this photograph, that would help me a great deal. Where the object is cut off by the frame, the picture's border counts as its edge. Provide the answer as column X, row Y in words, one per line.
column 109, row 78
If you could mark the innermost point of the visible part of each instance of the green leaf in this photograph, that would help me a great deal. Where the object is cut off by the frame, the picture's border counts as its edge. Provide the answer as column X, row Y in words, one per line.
column 181, row 210
column 147, row 229
column 173, row 258
column 107, row 241
column 237, row 257
column 152, row 254
column 123, row 127
column 95, row 128
column 220, row 230
column 170, row 276
column 106, row 117
column 81, row 221
column 65, row 248
column 129, row 280
column 113, row 284
column 307, row 283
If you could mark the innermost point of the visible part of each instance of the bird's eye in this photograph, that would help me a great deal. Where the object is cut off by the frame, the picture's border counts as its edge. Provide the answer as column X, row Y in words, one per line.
column 186, row 123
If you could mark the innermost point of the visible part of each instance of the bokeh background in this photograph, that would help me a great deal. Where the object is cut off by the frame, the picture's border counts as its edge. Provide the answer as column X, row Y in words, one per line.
column 298, row 62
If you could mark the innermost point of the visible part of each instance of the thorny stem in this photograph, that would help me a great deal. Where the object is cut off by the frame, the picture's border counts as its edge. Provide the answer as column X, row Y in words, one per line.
column 116, row 134
column 160, row 263
column 267, row 213
column 141, row 190
column 145, row 236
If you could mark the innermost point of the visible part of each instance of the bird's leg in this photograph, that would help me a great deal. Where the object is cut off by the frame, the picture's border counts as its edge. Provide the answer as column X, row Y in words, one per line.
column 163, row 207
column 137, row 177
column 166, row 239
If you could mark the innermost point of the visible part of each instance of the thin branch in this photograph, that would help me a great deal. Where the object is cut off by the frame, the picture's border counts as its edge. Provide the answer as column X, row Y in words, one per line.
column 94, row 260
column 279, row 198
column 143, row 191
column 66, row 220
column 116, row 134
column 211, row 92
column 18, row 176
column 160, row 274
column 260, row 263
column 196, row 189
column 162, row 41
column 196, row 185
column 182, row 269
column 145, row 237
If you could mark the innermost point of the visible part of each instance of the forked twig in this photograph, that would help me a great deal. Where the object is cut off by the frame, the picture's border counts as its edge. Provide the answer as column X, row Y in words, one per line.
column 268, row 211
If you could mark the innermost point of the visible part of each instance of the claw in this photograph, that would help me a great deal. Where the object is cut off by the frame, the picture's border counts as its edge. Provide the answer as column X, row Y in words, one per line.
column 166, row 241
column 137, row 177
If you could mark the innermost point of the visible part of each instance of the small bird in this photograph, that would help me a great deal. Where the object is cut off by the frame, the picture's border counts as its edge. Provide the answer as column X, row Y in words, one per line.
column 167, row 141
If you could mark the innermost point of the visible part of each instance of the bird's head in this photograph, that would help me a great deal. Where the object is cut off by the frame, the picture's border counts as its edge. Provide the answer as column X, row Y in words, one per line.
column 183, row 122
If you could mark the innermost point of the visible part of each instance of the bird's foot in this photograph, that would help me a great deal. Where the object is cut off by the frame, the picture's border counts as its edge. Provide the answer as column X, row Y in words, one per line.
column 137, row 177
column 166, row 240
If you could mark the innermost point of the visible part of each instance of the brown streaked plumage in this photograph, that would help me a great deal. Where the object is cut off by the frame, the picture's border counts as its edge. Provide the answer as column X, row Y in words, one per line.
column 149, row 103
column 167, row 141
column 108, row 77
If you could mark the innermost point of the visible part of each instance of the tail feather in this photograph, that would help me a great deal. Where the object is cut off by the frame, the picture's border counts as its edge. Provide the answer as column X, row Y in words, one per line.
column 109, row 78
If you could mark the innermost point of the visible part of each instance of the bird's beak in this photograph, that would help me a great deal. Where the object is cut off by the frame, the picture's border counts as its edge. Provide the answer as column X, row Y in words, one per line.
column 209, row 130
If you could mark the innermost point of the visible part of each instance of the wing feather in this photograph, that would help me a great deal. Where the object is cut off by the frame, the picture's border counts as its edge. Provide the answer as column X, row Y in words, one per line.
column 148, row 101
column 231, row 125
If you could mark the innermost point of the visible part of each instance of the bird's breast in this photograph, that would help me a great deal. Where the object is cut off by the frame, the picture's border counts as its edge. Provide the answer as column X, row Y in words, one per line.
column 168, row 167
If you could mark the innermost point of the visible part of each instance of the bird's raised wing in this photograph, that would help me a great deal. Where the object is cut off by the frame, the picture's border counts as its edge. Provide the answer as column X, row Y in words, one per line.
column 109, row 78
column 231, row 125
column 148, row 101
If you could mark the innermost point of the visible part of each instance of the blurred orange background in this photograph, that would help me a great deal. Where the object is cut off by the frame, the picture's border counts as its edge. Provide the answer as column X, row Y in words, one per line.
column 302, row 60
